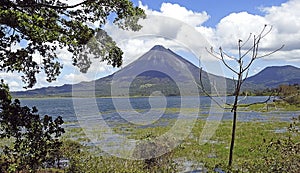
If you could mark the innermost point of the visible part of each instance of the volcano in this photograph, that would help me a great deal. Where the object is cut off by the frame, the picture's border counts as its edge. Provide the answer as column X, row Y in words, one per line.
column 159, row 71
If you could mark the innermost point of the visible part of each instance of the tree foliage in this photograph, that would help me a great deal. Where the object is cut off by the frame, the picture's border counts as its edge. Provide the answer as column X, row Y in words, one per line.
column 40, row 27
column 289, row 93
column 34, row 140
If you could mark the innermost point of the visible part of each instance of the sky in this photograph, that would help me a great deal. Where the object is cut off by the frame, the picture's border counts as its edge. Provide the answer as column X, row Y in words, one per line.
column 187, row 27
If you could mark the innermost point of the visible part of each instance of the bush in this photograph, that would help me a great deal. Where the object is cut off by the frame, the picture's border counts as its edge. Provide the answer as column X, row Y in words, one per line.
column 279, row 155
column 34, row 141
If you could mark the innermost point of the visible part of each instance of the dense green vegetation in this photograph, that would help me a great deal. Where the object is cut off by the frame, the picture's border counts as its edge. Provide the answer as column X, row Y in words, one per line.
column 283, row 98
column 260, row 147
column 28, row 141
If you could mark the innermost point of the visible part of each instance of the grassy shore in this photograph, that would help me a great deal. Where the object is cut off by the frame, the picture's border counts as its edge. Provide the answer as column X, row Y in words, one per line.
column 252, row 148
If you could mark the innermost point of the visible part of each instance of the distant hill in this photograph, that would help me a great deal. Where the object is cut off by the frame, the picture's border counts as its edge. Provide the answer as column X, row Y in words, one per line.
column 272, row 77
column 162, row 70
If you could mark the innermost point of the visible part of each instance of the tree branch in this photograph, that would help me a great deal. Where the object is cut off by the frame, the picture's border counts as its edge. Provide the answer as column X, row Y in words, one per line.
column 244, row 98
column 247, row 40
column 51, row 6
column 270, row 53
column 229, row 56
column 256, row 41
column 212, row 53
column 263, row 35
column 225, row 63
column 268, row 99
column 243, row 80
column 206, row 93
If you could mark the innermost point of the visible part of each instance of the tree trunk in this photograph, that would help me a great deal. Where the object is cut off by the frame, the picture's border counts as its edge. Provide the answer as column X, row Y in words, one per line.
column 232, row 137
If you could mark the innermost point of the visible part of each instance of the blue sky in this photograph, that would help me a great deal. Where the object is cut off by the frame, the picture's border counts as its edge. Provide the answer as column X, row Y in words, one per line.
column 215, row 23
column 215, row 8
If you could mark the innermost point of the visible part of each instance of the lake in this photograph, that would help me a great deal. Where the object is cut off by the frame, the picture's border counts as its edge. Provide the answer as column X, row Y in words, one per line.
column 107, row 107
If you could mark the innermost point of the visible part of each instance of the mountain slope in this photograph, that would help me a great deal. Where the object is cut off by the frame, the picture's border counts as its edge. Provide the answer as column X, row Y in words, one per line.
column 272, row 77
column 159, row 69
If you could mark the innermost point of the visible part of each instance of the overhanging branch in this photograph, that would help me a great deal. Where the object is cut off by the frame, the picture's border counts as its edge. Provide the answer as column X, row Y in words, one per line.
column 39, row 5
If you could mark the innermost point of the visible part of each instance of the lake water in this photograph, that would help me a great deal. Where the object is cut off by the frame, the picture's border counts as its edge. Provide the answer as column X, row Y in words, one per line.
column 107, row 107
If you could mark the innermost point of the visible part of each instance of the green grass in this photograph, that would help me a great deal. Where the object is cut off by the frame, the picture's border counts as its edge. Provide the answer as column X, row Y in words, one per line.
column 275, row 106
column 250, row 137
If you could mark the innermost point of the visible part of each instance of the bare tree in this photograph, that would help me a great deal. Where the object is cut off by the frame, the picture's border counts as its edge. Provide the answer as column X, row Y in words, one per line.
column 245, row 58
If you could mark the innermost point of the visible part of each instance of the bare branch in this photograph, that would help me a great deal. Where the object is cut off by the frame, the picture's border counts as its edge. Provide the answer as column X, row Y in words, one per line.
column 225, row 63
column 206, row 93
column 234, row 81
column 212, row 53
column 251, row 54
column 263, row 30
column 263, row 35
column 270, row 53
column 244, row 98
column 256, row 41
column 268, row 99
column 286, row 98
column 246, row 40
column 254, row 54
column 240, row 50
column 247, row 52
column 218, row 94
column 256, row 48
column 229, row 56
column 247, row 73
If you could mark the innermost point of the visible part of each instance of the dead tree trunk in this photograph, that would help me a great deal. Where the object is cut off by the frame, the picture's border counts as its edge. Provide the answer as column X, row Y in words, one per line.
column 245, row 58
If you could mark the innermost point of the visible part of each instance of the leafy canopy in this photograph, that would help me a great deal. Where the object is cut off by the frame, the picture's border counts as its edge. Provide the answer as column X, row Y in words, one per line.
column 34, row 140
column 40, row 27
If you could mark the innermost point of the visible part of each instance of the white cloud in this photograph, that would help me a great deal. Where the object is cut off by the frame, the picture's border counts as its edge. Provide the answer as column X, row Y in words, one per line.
column 181, row 13
column 237, row 26
column 292, row 56
column 13, row 85
column 136, row 47
column 208, row 33
column 12, row 79
column 75, row 78
column 173, row 27
column 64, row 56
column 285, row 19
